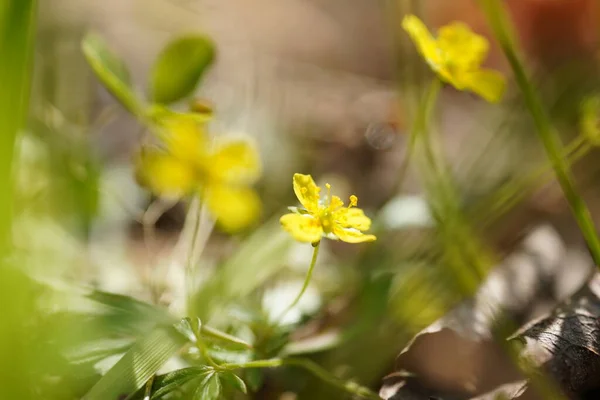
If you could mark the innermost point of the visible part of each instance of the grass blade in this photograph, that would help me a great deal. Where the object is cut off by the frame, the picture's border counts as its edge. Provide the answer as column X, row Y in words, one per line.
column 17, row 39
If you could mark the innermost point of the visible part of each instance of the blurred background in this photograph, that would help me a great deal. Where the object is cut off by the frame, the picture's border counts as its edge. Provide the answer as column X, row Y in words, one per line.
column 324, row 87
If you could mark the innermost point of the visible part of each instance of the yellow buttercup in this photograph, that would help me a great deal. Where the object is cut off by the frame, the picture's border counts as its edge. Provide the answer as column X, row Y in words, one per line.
column 456, row 56
column 324, row 217
column 188, row 163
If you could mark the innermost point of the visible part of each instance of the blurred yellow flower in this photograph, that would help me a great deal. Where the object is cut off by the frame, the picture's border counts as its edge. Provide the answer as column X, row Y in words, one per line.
column 325, row 217
column 456, row 56
column 188, row 163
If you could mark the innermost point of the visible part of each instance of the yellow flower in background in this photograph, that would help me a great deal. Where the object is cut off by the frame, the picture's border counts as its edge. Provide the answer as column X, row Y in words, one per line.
column 188, row 163
column 456, row 57
column 325, row 217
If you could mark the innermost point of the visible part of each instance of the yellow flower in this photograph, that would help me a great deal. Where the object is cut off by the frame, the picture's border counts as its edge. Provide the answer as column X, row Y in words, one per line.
column 188, row 163
column 324, row 217
column 456, row 56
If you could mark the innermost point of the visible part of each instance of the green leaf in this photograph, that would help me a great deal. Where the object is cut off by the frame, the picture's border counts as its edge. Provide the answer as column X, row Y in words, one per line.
column 179, row 68
column 234, row 381
column 137, row 365
column 165, row 384
column 255, row 378
column 185, row 328
column 210, row 388
column 126, row 316
column 174, row 381
column 111, row 71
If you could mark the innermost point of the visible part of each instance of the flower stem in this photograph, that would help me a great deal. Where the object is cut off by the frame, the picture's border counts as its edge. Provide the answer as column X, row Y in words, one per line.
column 444, row 201
column 499, row 22
column 190, row 273
column 205, row 354
column 307, row 279
column 315, row 369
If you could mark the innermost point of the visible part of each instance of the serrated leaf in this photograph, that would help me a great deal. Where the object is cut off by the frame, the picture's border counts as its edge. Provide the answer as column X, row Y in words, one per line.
column 185, row 328
column 126, row 316
column 179, row 68
column 234, row 381
column 111, row 71
column 137, row 365
column 210, row 388
column 165, row 384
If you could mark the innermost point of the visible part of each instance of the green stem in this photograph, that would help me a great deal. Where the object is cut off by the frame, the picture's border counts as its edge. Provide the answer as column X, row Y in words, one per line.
column 217, row 334
column 148, row 389
column 190, row 275
column 500, row 24
column 460, row 247
column 307, row 279
column 315, row 369
column 204, row 351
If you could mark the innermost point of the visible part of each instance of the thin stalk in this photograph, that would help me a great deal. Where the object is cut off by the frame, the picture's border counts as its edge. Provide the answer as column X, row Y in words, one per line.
column 190, row 270
column 204, row 351
column 207, row 331
column 307, row 279
column 444, row 200
column 198, row 227
column 149, row 219
column 315, row 369
column 148, row 389
column 499, row 22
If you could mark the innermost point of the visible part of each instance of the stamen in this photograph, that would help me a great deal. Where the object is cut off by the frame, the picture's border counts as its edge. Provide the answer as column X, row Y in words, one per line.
column 328, row 186
column 353, row 201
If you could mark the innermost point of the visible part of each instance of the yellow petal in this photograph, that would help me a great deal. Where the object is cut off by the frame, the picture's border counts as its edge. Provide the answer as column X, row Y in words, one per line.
column 234, row 162
column 233, row 208
column 426, row 44
column 185, row 138
column 303, row 228
column 350, row 235
column 488, row 84
column 164, row 174
column 352, row 218
column 463, row 48
column 307, row 192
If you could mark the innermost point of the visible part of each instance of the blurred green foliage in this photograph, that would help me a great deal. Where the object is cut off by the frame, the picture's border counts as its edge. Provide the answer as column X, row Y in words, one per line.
column 65, row 336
